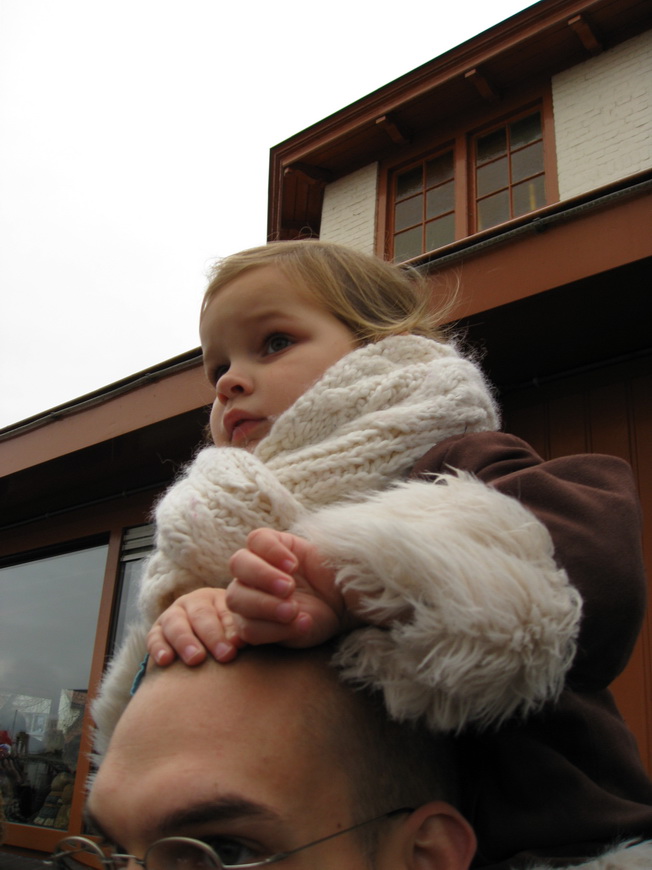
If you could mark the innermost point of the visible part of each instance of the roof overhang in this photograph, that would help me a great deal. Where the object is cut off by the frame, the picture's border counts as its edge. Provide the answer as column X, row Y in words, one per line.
column 527, row 48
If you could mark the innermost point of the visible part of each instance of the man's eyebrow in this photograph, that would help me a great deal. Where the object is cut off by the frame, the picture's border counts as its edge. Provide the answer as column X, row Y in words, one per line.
column 224, row 809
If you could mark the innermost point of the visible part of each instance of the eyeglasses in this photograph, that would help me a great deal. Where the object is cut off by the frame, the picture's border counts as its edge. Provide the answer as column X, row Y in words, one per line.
column 178, row 853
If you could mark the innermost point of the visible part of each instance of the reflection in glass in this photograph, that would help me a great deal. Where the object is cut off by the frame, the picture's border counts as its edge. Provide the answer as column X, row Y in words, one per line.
column 493, row 176
column 527, row 162
column 493, row 210
column 408, row 212
column 48, row 621
column 408, row 244
column 525, row 130
column 529, row 196
column 492, row 145
column 440, row 199
column 127, row 608
column 440, row 169
column 440, row 232
column 409, row 182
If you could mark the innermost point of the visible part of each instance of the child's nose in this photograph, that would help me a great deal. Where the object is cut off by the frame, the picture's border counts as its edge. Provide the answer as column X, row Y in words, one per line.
column 234, row 382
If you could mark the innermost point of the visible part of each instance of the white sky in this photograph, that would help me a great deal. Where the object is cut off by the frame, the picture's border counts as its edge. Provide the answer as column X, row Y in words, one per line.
column 134, row 150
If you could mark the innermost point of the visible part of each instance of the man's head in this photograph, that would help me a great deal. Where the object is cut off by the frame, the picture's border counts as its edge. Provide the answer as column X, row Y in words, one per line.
column 270, row 753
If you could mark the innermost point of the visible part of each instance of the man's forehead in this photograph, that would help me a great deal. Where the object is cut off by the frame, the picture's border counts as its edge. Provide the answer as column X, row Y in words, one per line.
column 252, row 728
column 267, row 679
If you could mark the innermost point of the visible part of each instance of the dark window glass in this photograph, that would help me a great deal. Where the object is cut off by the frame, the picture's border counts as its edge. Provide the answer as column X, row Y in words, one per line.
column 493, row 210
column 440, row 200
column 493, row 176
column 529, row 196
column 432, row 179
column 408, row 244
column 509, row 177
column 408, row 212
column 440, row 169
column 491, row 146
column 525, row 130
column 409, row 182
column 527, row 162
column 440, row 232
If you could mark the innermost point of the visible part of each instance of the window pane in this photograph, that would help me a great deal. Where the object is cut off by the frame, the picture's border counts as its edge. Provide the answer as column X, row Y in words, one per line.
column 441, row 199
column 492, row 177
column 409, row 182
column 492, row 145
column 408, row 212
column 440, row 169
column 525, row 130
column 527, row 162
column 440, row 232
column 407, row 245
column 493, row 210
column 137, row 543
column 48, row 620
column 127, row 610
column 528, row 195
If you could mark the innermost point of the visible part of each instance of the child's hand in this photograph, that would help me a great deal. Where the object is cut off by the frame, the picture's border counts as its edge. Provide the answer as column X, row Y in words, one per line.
column 195, row 623
column 282, row 592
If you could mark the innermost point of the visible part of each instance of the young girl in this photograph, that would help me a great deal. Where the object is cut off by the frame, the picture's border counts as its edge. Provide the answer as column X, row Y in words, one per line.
column 474, row 584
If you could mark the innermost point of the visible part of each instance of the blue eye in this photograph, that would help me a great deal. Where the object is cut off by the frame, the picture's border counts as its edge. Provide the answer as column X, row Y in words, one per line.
column 277, row 342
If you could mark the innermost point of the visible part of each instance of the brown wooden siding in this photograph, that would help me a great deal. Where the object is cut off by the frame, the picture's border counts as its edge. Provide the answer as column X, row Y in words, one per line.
column 607, row 410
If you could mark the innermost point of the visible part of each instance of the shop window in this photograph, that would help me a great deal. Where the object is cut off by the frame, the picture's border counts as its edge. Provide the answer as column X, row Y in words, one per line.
column 509, row 171
column 48, row 620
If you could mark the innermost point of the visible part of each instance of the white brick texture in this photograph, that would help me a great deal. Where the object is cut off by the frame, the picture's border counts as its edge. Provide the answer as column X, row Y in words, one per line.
column 349, row 210
column 603, row 117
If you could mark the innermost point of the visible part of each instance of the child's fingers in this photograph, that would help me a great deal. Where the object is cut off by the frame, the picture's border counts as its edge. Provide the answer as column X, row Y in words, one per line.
column 273, row 547
column 200, row 623
column 158, row 648
column 180, row 627
column 253, row 570
column 260, row 631
column 250, row 603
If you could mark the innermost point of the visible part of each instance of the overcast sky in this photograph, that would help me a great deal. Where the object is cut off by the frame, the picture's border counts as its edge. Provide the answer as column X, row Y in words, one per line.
column 134, row 150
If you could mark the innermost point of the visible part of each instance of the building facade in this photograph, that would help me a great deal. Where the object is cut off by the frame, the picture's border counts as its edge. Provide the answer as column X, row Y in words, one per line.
column 517, row 166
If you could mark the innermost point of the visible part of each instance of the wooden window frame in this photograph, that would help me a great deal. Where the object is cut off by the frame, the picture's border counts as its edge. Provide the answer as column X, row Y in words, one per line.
column 460, row 136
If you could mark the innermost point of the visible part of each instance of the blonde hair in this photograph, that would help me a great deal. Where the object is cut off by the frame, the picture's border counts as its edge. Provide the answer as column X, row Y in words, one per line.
column 374, row 298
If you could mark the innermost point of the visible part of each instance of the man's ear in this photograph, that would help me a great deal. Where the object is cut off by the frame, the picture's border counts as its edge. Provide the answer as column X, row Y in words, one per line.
column 438, row 836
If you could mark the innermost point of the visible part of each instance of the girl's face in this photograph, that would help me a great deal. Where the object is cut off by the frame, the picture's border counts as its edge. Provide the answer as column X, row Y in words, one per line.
column 265, row 342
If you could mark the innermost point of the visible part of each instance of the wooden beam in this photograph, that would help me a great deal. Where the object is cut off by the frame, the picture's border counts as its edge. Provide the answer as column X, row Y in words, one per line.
column 390, row 127
column 482, row 85
column 586, row 34
column 312, row 174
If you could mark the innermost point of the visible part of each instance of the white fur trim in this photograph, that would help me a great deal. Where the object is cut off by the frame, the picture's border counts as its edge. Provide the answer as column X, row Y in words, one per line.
column 625, row 856
column 481, row 622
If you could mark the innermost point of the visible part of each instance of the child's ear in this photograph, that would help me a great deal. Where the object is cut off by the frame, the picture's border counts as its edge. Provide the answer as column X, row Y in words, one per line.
column 438, row 837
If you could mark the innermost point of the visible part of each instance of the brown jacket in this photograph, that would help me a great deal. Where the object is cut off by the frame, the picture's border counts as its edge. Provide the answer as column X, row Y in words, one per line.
column 566, row 782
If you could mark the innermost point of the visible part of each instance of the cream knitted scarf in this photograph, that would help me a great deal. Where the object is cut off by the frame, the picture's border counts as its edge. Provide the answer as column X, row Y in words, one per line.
column 360, row 428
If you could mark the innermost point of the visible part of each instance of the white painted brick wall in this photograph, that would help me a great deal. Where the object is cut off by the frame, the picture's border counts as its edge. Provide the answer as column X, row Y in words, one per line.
column 349, row 210
column 603, row 117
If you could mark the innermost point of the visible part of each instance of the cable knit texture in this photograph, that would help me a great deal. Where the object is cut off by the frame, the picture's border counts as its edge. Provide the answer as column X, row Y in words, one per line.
column 493, row 619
